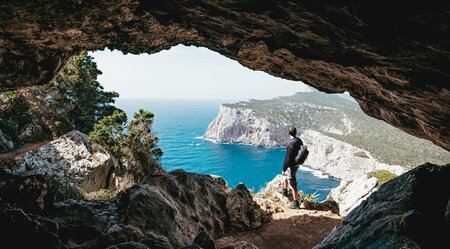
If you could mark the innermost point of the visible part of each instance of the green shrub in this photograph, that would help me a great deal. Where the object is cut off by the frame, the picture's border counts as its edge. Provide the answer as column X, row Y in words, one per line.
column 310, row 197
column 383, row 176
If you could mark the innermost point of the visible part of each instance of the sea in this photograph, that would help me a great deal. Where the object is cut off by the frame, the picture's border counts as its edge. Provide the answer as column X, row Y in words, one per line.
column 180, row 125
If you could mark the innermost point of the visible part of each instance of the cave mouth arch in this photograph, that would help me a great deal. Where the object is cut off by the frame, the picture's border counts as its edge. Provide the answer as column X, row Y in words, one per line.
column 394, row 66
column 177, row 69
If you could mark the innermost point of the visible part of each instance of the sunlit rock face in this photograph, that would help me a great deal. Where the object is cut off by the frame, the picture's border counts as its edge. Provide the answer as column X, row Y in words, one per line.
column 394, row 60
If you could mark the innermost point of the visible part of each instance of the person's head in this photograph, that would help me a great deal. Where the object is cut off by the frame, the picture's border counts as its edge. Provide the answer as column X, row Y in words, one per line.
column 292, row 131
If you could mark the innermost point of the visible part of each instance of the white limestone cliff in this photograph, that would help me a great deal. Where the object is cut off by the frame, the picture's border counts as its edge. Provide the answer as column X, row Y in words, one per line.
column 242, row 126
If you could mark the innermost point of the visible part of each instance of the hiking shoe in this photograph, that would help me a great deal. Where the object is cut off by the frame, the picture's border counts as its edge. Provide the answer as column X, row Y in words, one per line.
column 294, row 205
column 284, row 192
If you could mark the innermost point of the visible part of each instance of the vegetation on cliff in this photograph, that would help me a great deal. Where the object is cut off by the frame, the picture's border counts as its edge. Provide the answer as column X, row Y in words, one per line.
column 382, row 176
column 344, row 120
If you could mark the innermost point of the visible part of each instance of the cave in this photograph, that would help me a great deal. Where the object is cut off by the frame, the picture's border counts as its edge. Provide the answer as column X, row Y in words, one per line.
column 392, row 58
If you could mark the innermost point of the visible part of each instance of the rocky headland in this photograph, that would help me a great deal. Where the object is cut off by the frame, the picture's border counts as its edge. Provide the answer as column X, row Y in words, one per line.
column 338, row 135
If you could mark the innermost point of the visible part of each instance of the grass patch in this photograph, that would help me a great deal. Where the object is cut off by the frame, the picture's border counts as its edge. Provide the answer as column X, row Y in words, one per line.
column 382, row 175
column 102, row 194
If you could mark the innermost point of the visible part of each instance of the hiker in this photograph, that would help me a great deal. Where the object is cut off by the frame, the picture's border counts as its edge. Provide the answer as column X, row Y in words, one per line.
column 290, row 168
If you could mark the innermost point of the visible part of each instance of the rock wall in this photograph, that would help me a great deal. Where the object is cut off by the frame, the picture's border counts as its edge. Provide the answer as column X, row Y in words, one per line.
column 169, row 209
column 392, row 60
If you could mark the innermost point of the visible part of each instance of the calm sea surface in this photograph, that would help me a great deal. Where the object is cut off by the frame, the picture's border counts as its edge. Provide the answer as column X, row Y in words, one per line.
column 180, row 124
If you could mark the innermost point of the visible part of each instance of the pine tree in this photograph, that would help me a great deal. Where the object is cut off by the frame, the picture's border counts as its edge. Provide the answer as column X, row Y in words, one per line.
column 80, row 88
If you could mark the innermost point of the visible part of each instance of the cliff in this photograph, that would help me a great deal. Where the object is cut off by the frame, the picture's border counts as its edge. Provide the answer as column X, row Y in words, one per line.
column 264, row 123
column 233, row 125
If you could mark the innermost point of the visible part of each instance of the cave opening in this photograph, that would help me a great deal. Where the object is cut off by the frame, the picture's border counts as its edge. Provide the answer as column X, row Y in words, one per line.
column 186, row 87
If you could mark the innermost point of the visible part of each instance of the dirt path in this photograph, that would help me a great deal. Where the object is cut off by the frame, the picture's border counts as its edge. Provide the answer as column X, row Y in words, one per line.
column 292, row 229
column 289, row 228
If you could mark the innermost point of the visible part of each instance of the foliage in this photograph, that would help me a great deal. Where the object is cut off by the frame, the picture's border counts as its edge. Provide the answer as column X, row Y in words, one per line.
column 14, row 114
column 137, row 142
column 109, row 132
column 63, row 125
column 310, row 197
column 73, row 100
column 102, row 194
column 77, row 82
column 382, row 175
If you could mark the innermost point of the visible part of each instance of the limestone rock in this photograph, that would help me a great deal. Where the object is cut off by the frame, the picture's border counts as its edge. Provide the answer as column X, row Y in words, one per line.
column 341, row 162
column 5, row 143
column 241, row 126
column 36, row 193
column 350, row 193
column 244, row 212
column 400, row 214
column 329, row 155
column 327, row 205
column 168, row 211
column 72, row 160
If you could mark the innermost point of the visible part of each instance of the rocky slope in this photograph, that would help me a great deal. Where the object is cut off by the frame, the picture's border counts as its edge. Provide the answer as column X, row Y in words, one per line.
column 43, row 196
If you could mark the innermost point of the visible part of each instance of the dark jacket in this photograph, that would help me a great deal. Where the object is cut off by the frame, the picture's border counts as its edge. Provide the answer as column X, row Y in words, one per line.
column 291, row 152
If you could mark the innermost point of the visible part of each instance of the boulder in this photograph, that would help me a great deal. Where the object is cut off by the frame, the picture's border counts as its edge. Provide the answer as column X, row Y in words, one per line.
column 72, row 160
column 245, row 214
column 350, row 193
column 204, row 241
column 33, row 230
column 406, row 212
column 36, row 193
column 6, row 144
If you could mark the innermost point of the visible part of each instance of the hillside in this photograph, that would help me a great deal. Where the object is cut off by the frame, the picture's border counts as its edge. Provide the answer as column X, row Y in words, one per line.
column 342, row 119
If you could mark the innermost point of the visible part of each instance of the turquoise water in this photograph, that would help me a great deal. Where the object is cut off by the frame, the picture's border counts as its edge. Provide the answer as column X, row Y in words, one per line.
column 180, row 125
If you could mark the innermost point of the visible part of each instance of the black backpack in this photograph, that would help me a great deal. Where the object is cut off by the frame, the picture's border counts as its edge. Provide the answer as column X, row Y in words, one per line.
column 302, row 155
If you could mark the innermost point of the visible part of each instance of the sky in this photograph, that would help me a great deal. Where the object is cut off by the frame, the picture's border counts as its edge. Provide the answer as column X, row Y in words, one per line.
column 187, row 73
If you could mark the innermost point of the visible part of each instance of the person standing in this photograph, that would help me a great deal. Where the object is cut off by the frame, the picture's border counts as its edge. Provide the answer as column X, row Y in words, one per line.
column 290, row 168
